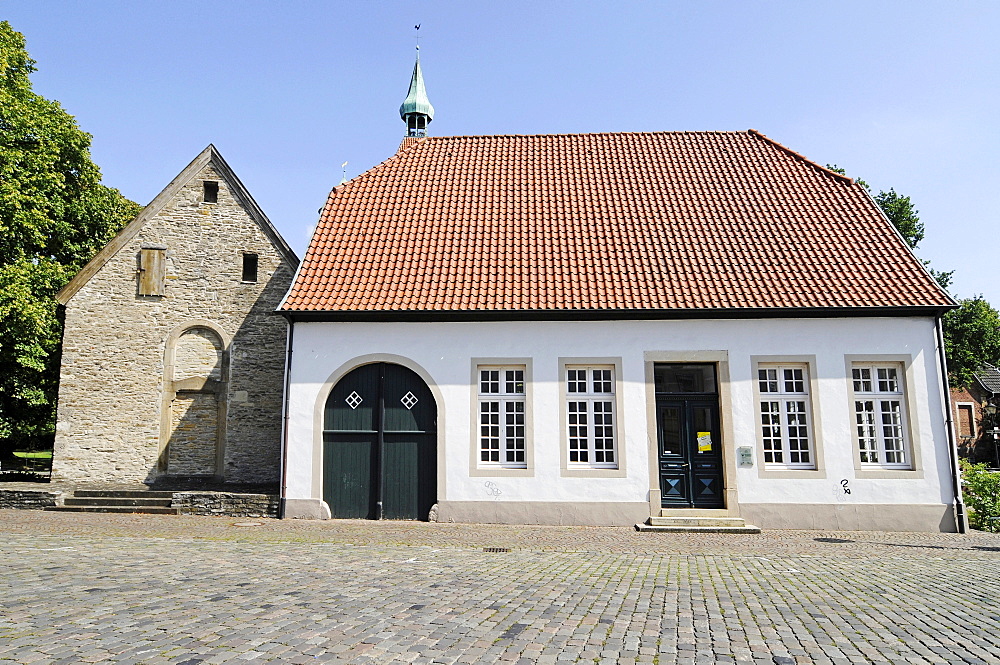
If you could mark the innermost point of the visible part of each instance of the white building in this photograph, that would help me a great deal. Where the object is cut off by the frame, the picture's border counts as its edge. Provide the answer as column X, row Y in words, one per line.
column 600, row 328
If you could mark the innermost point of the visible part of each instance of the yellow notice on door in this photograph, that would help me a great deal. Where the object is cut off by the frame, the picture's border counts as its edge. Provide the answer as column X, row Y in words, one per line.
column 704, row 442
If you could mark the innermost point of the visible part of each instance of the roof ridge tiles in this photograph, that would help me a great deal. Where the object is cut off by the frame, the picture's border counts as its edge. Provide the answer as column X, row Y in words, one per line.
column 799, row 156
column 582, row 134
column 407, row 145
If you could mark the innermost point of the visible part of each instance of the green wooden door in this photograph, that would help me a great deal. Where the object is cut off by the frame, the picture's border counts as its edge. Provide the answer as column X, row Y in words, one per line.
column 380, row 445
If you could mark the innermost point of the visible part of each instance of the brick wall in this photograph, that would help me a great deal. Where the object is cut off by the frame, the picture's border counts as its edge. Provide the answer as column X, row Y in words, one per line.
column 973, row 443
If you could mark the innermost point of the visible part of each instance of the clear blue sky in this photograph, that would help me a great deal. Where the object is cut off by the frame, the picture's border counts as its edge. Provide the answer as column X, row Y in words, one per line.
column 902, row 94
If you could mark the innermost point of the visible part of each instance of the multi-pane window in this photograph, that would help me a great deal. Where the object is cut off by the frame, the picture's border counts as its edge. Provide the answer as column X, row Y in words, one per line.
column 590, row 417
column 784, row 416
column 879, row 416
column 501, row 417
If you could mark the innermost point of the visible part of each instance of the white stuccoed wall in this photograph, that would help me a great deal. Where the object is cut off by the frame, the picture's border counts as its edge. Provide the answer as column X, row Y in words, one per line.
column 444, row 351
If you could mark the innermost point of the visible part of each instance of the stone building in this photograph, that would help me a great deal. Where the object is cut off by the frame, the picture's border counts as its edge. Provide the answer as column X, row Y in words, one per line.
column 172, row 360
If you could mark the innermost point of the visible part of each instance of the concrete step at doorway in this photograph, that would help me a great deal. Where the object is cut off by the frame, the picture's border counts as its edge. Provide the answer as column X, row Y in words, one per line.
column 697, row 524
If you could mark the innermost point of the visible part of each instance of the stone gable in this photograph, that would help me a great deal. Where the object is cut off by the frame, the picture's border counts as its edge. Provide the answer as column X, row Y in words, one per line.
column 189, row 382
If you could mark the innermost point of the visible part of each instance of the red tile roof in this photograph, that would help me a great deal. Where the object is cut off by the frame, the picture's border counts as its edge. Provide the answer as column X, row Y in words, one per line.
column 638, row 221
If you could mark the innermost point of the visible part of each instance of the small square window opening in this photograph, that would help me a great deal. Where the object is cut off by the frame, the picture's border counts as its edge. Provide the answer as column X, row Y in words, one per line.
column 249, row 267
column 211, row 191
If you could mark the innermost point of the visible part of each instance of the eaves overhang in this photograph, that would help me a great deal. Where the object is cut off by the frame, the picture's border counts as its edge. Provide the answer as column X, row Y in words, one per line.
column 430, row 316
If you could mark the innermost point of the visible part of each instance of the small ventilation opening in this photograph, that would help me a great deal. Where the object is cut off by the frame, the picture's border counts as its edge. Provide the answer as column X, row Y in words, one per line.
column 211, row 188
column 249, row 267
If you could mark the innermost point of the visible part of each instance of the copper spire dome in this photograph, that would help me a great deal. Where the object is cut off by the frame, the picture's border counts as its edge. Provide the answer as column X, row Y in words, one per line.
column 416, row 110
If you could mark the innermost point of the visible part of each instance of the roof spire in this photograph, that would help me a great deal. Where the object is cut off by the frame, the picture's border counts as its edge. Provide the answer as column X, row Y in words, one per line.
column 416, row 110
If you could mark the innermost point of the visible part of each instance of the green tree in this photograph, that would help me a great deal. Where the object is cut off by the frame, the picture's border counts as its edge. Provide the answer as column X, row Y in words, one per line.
column 902, row 214
column 54, row 215
column 971, row 337
column 900, row 211
column 981, row 490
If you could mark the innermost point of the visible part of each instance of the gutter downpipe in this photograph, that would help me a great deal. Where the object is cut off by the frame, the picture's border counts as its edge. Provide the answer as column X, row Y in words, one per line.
column 956, row 479
column 285, row 417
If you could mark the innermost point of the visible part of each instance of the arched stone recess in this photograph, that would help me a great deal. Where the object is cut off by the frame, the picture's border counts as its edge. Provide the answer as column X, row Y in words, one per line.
column 194, row 406
column 320, row 411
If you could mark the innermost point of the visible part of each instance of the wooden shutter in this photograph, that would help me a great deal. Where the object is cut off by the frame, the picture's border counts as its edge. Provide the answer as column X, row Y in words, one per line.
column 152, row 270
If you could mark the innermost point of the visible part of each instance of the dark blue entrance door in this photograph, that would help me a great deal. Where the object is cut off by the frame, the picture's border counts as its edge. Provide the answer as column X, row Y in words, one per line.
column 688, row 437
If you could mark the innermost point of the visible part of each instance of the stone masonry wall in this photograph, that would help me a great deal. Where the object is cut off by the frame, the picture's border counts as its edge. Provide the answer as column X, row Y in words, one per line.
column 112, row 391
column 28, row 499
column 225, row 503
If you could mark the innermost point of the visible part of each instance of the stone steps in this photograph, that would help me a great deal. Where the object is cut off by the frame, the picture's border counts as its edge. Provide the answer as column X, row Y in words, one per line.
column 146, row 510
column 117, row 501
column 697, row 524
column 123, row 494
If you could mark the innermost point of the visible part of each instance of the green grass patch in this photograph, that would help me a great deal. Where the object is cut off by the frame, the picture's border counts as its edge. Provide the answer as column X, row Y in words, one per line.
column 41, row 454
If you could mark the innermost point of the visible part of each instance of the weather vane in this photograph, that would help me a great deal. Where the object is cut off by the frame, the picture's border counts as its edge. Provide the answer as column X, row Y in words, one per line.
column 417, row 28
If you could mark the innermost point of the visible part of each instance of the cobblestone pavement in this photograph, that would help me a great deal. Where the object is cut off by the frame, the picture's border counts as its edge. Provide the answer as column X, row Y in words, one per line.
column 83, row 588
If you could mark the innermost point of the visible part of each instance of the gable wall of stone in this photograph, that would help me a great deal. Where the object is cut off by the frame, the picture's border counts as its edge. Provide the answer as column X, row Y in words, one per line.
column 114, row 381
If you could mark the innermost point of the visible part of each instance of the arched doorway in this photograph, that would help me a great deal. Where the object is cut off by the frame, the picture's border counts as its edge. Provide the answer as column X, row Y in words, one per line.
column 379, row 445
column 196, row 371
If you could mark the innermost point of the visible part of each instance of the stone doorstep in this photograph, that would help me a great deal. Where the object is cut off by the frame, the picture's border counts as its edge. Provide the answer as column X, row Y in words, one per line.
column 697, row 524
column 649, row 528
column 695, row 520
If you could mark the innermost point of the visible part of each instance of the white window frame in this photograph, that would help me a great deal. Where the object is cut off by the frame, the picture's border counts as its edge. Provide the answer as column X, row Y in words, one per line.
column 784, row 408
column 590, row 416
column 813, row 414
column 881, row 440
column 511, row 426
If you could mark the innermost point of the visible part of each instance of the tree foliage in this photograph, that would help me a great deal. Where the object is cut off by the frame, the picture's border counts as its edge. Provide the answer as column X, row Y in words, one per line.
column 54, row 215
column 902, row 214
column 981, row 491
column 971, row 337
